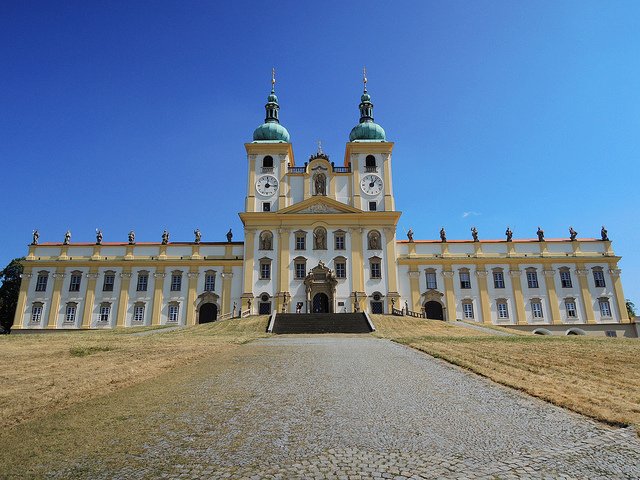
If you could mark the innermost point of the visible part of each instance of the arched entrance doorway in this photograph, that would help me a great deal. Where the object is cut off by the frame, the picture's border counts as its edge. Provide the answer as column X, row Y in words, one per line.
column 208, row 313
column 320, row 303
column 433, row 310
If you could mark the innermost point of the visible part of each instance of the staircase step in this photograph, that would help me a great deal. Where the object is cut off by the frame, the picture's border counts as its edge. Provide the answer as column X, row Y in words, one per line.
column 321, row 323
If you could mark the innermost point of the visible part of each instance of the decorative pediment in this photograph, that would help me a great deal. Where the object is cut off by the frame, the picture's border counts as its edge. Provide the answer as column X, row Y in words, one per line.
column 432, row 294
column 320, row 204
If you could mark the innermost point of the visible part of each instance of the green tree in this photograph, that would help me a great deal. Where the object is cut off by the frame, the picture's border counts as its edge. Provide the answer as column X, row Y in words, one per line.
column 631, row 308
column 9, row 291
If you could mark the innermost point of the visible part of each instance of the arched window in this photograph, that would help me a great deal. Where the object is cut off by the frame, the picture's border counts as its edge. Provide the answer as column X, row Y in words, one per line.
column 76, row 279
column 370, row 163
column 532, row 277
column 375, row 267
column 36, row 312
column 267, row 162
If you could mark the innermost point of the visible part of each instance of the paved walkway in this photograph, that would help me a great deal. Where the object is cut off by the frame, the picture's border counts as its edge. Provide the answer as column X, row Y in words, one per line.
column 351, row 407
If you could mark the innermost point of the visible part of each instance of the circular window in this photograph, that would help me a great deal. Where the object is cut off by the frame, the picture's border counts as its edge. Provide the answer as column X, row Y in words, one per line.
column 376, row 297
column 264, row 298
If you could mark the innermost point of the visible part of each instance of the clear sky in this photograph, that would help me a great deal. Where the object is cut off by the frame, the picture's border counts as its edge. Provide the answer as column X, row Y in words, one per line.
column 132, row 115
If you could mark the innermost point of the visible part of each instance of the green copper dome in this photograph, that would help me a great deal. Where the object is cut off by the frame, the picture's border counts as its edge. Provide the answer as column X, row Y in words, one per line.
column 370, row 131
column 367, row 130
column 271, row 132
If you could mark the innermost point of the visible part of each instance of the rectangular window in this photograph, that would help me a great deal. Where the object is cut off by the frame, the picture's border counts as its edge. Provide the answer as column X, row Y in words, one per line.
column 173, row 313
column 432, row 282
column 74, row 285
column 467, row 310
column 176, row 282
column 36, row 313
column 339, row 242
column 598, row 277
column 301, row 242
column 565, row 279
column 109, row 280
column 266, row 206
column 341, row 270
column 605, row 308
column 532, row 279
column 301, row 270
column 70, row 314
column 373, row 206
column 265, row 271
column 143, row 281
column 375, row 270
column 465, row 280
column 138, row 313
column 503, row 311
column 104, row 312
column 498, row 279
column 536, row 309
column 210, row 282
column 570, row 305
column 41, row 283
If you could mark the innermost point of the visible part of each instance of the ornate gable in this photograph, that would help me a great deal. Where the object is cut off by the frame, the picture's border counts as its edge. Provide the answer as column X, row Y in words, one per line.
column 320, row 204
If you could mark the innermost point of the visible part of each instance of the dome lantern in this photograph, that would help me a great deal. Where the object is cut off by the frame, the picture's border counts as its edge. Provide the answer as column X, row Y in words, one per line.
column 271, row 130
column 367, row 129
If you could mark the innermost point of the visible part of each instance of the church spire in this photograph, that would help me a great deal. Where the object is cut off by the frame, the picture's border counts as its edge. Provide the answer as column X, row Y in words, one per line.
column 272, row 106
column 366, row 107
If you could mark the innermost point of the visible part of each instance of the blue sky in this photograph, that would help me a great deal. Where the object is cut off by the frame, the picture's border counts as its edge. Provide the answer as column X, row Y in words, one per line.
column 132, row 115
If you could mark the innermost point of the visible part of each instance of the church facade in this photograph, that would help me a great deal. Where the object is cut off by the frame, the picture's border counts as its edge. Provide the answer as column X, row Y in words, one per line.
column 319, row 237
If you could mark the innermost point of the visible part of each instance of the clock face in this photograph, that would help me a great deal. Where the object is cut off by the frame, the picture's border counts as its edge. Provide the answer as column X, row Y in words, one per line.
column 267, row 185
column 371, row 184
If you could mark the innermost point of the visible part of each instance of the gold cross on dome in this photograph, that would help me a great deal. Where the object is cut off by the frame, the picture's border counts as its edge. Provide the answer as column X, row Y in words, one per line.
column 273, row 78
column 364, row 77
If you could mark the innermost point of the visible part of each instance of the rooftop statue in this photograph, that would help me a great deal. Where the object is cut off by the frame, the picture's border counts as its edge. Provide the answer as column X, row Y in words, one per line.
column 474, row 234
column 509, row 234
column 540, row 234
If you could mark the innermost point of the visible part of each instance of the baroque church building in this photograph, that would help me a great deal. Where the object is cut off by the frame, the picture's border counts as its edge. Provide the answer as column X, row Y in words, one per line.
column 321, row 237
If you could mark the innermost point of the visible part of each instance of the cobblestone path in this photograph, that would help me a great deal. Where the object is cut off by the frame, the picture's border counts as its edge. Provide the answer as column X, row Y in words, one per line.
column 351, row 407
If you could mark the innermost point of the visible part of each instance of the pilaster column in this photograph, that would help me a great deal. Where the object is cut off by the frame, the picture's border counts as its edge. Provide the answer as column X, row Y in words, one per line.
column 587, row 300
column 617, row 290
column 389, row 204
column 521, row 317
column 54, row 311
column 191, row 296
column 284, row 185
column 251, row 181
column 90, row 295
column 392, row 265
column 449, row 295
column 414, row 283
column 25, row 280
column 249, row 240
column 357, row 262
column 158, row 294
column 227, row 276
column 549, row 281
column 283, row 264
column 484, row 296
column 357, row 201
column 123, row 299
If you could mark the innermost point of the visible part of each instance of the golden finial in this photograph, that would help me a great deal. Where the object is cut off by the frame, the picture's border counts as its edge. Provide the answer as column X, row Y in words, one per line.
column 273, row 79
column 364, row 77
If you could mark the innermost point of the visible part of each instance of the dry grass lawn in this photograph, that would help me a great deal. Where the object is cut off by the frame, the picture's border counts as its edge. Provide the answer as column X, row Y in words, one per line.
column 47, row 372
column 598, row 377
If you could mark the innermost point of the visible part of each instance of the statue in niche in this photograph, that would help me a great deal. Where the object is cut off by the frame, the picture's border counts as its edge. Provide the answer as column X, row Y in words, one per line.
column 410, row 235
column 229, row 236
column 572, row 234
column 509, row 233
column 98, row 236
column 603, row 234
column 443, row 235
column 165, row 237
column 132, row 237
column 319, row 239
column 474, row 234
column 198, row 235
column 374, row 241
column 67, row 238
column 265, row 241
column 36, row 236
column 540, row 234
column 320, row 184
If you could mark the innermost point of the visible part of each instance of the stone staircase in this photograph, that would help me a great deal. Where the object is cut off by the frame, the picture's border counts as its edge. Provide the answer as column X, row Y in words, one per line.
column 321, row 323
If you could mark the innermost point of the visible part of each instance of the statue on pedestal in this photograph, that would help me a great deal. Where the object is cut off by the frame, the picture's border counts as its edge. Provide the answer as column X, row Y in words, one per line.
column 603, row 234
column 198, row 235
column 410, row 235
column 36, row 236
column 98, row 236
column 509, row 234
column 443, row 235
column 474, row 234
column 67, row 238
column 540, row 234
